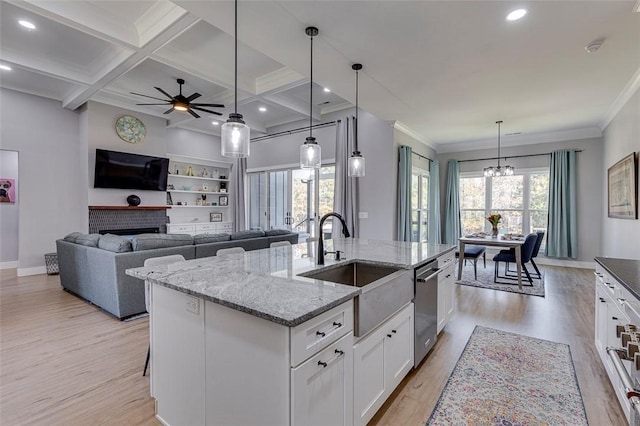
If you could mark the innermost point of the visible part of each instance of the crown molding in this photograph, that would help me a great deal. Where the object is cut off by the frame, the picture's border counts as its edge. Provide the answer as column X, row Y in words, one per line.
column 401, row 127
column 624, row 96
column 519, row 140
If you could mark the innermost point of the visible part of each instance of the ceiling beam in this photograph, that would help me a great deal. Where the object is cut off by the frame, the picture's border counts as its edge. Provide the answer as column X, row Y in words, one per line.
column 293, row 104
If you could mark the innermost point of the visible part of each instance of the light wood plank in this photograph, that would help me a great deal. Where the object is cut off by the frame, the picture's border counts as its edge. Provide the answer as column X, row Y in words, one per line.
column 65, row 362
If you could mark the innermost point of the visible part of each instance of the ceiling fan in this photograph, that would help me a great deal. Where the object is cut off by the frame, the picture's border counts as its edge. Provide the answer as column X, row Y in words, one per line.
column 182, row 103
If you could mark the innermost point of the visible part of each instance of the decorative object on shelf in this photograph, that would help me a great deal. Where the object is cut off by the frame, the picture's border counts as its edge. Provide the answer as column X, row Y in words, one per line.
column 223, row 200
column 494, row 220
column 204, row 198
column 205, row 173
column 310, row 150
column 133, row 200
column 223, row 186
column 189, row 171
column 215, row 173
column 170, row 187
column 235, row 133
column 198, row 201
column 186, row 187
column 356, row 161
column 169, row 200
column 622, row 190
column 204, row 188
column 130, row 129
column 498, row 171
column 182, row 103
column 215, row 217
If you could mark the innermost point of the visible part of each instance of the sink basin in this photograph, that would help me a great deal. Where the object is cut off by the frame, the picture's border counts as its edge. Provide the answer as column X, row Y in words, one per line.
column 385, row 290
column 355, row 273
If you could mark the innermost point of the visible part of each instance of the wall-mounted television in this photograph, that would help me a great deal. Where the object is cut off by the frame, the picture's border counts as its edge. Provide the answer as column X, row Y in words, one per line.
column 130, row 171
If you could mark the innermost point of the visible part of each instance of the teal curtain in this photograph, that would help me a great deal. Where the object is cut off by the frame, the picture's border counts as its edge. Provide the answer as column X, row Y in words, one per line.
column 404, row 193
column 562, row 227
column 452, row 227
column 434, row 202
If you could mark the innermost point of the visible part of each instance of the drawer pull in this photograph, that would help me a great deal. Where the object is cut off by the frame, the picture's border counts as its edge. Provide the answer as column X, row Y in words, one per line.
column 609, row 285
column 323, row 364
column 602, row 300
column 337, row 324
column 614, row 318
column 622, row 300
column 321, row 333
column 389, row 335
column 394, row 331
column 339, row 352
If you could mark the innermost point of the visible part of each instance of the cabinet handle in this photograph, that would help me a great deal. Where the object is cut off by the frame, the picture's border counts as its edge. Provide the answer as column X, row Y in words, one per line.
column 614, row 318
column 339, row 352
column 389, row 335
column 323, row 364
column 337, row 324
column 394, row 331
column 622, row 300
column 321, row 333
column 448, row 276
column 609, row 285
column 602, row 300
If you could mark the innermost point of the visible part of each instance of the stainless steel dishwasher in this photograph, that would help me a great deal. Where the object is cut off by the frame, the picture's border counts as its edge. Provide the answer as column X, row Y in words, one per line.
column 426, row 310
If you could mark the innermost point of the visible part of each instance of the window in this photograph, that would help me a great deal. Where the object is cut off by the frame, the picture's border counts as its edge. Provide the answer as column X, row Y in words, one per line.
column 419, row 205
column 521, row 199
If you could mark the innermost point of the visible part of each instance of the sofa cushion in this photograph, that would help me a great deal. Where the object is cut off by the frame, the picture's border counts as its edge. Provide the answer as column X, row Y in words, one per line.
column 273, row 232
column 210, row 238
column 89, row 240
column 72, row 237
column 155, row 241
column 243, row 235
column 114, row 243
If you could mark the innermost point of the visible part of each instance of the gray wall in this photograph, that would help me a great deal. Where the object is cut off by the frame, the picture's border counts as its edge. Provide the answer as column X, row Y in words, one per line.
column 589, row 177
column 9, row 211
column 621, row 237
column 51, row 191
column 375, row 141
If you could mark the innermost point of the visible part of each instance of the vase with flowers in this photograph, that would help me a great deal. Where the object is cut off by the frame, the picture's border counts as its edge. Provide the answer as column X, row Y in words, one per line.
column 494, row 219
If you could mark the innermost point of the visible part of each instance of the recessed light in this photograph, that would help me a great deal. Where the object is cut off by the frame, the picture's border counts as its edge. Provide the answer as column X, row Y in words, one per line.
column 516, row 14
column 262, row 109
column 326, row 89
column 5, row 67
column 215, row 123
column 28, row 25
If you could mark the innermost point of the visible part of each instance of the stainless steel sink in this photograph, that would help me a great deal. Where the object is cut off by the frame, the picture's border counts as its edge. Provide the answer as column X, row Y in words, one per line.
column 385, row 290
column 355, row 273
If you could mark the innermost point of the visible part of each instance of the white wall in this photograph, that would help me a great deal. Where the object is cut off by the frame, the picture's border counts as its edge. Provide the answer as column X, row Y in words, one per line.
column 621, row 237
column 589, row 176
column 51, row 191
column 9, row 212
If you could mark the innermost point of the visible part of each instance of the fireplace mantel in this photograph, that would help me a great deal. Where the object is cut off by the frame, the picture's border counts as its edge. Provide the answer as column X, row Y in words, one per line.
column 129, row 207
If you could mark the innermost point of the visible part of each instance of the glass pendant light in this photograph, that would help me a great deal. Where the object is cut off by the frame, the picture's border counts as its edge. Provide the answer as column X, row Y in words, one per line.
column 498, row 171
column 235, row 133
column 356, row 161
column 310, row 150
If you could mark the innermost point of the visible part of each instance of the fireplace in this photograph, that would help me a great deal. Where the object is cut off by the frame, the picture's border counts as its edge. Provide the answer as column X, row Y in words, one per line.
column 126, row 220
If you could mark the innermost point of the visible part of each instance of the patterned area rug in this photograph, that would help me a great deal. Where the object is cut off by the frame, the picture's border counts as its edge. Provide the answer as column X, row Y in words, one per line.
column 508, row 379
column 485, row 279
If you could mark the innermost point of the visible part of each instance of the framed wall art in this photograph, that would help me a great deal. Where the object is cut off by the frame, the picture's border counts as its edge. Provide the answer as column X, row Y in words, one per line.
column 215, row 217
column 223, row 200
column 622, row 188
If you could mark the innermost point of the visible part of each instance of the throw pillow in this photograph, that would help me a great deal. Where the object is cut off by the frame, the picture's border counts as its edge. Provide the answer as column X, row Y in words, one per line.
column 72, row 237
column 243, row 235
column 154, row 241
column 274, row 232
column 89, row 240
column 210, row 238
column 114, row 243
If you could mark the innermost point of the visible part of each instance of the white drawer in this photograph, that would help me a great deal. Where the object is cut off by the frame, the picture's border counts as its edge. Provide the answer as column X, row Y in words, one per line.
column 181, row 229
column 224, row 228
column 446, row 260
column 206, row 227
column 314, row 335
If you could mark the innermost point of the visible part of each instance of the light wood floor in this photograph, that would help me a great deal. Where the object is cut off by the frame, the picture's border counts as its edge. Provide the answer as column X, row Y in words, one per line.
column 64, row 362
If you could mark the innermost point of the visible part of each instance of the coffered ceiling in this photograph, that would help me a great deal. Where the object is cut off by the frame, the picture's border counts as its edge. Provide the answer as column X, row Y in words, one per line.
column 444, row 71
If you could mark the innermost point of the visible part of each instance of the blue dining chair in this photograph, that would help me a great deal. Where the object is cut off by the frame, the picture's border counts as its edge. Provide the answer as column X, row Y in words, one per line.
column 508, row 257
column 536, row 250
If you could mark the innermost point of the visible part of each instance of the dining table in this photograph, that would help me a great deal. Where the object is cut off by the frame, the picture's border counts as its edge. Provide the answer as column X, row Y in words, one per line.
column 498, row 241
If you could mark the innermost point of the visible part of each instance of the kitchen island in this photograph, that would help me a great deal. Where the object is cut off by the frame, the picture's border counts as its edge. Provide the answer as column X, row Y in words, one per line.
column 245, row 339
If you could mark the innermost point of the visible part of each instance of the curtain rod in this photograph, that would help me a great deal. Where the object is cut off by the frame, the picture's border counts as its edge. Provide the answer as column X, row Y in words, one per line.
column 421, row 156
column 292, row 131
column 512, row 156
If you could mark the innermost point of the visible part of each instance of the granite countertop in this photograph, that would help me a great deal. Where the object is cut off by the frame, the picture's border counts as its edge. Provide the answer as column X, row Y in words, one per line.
column 627, row 271
column 265, row 283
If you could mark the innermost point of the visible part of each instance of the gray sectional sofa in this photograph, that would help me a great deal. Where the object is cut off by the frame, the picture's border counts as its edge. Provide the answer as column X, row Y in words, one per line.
column 92, row 266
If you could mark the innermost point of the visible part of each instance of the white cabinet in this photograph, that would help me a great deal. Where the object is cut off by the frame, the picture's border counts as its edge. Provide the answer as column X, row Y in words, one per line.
column 381, row 360
column 200, row 228
column 446, row 290
column 321, row 387
column 197, row 187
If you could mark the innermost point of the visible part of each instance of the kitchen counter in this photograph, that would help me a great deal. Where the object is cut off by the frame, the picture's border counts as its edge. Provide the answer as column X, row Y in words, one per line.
column 626, row 271
column 265, row 283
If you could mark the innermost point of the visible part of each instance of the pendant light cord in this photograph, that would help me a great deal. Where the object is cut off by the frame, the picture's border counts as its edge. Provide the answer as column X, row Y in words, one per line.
column 311, row 94
column 236, row 58
column 498, row 122
column 355, row 140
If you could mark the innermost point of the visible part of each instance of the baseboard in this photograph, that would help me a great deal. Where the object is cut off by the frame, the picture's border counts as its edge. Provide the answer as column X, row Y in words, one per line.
column 9, row 265
column 36, row 270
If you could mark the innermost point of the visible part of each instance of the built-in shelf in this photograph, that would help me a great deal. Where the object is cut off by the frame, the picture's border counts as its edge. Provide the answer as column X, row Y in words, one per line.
column 130, row 207
column 199, row 178
column 197, row 192
column 197, row 207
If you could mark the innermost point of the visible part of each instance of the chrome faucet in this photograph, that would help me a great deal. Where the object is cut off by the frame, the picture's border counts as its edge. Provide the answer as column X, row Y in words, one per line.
column 345, row 232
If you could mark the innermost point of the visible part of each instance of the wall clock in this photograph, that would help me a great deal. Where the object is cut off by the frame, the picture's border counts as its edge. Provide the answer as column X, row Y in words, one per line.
column 130, row 129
